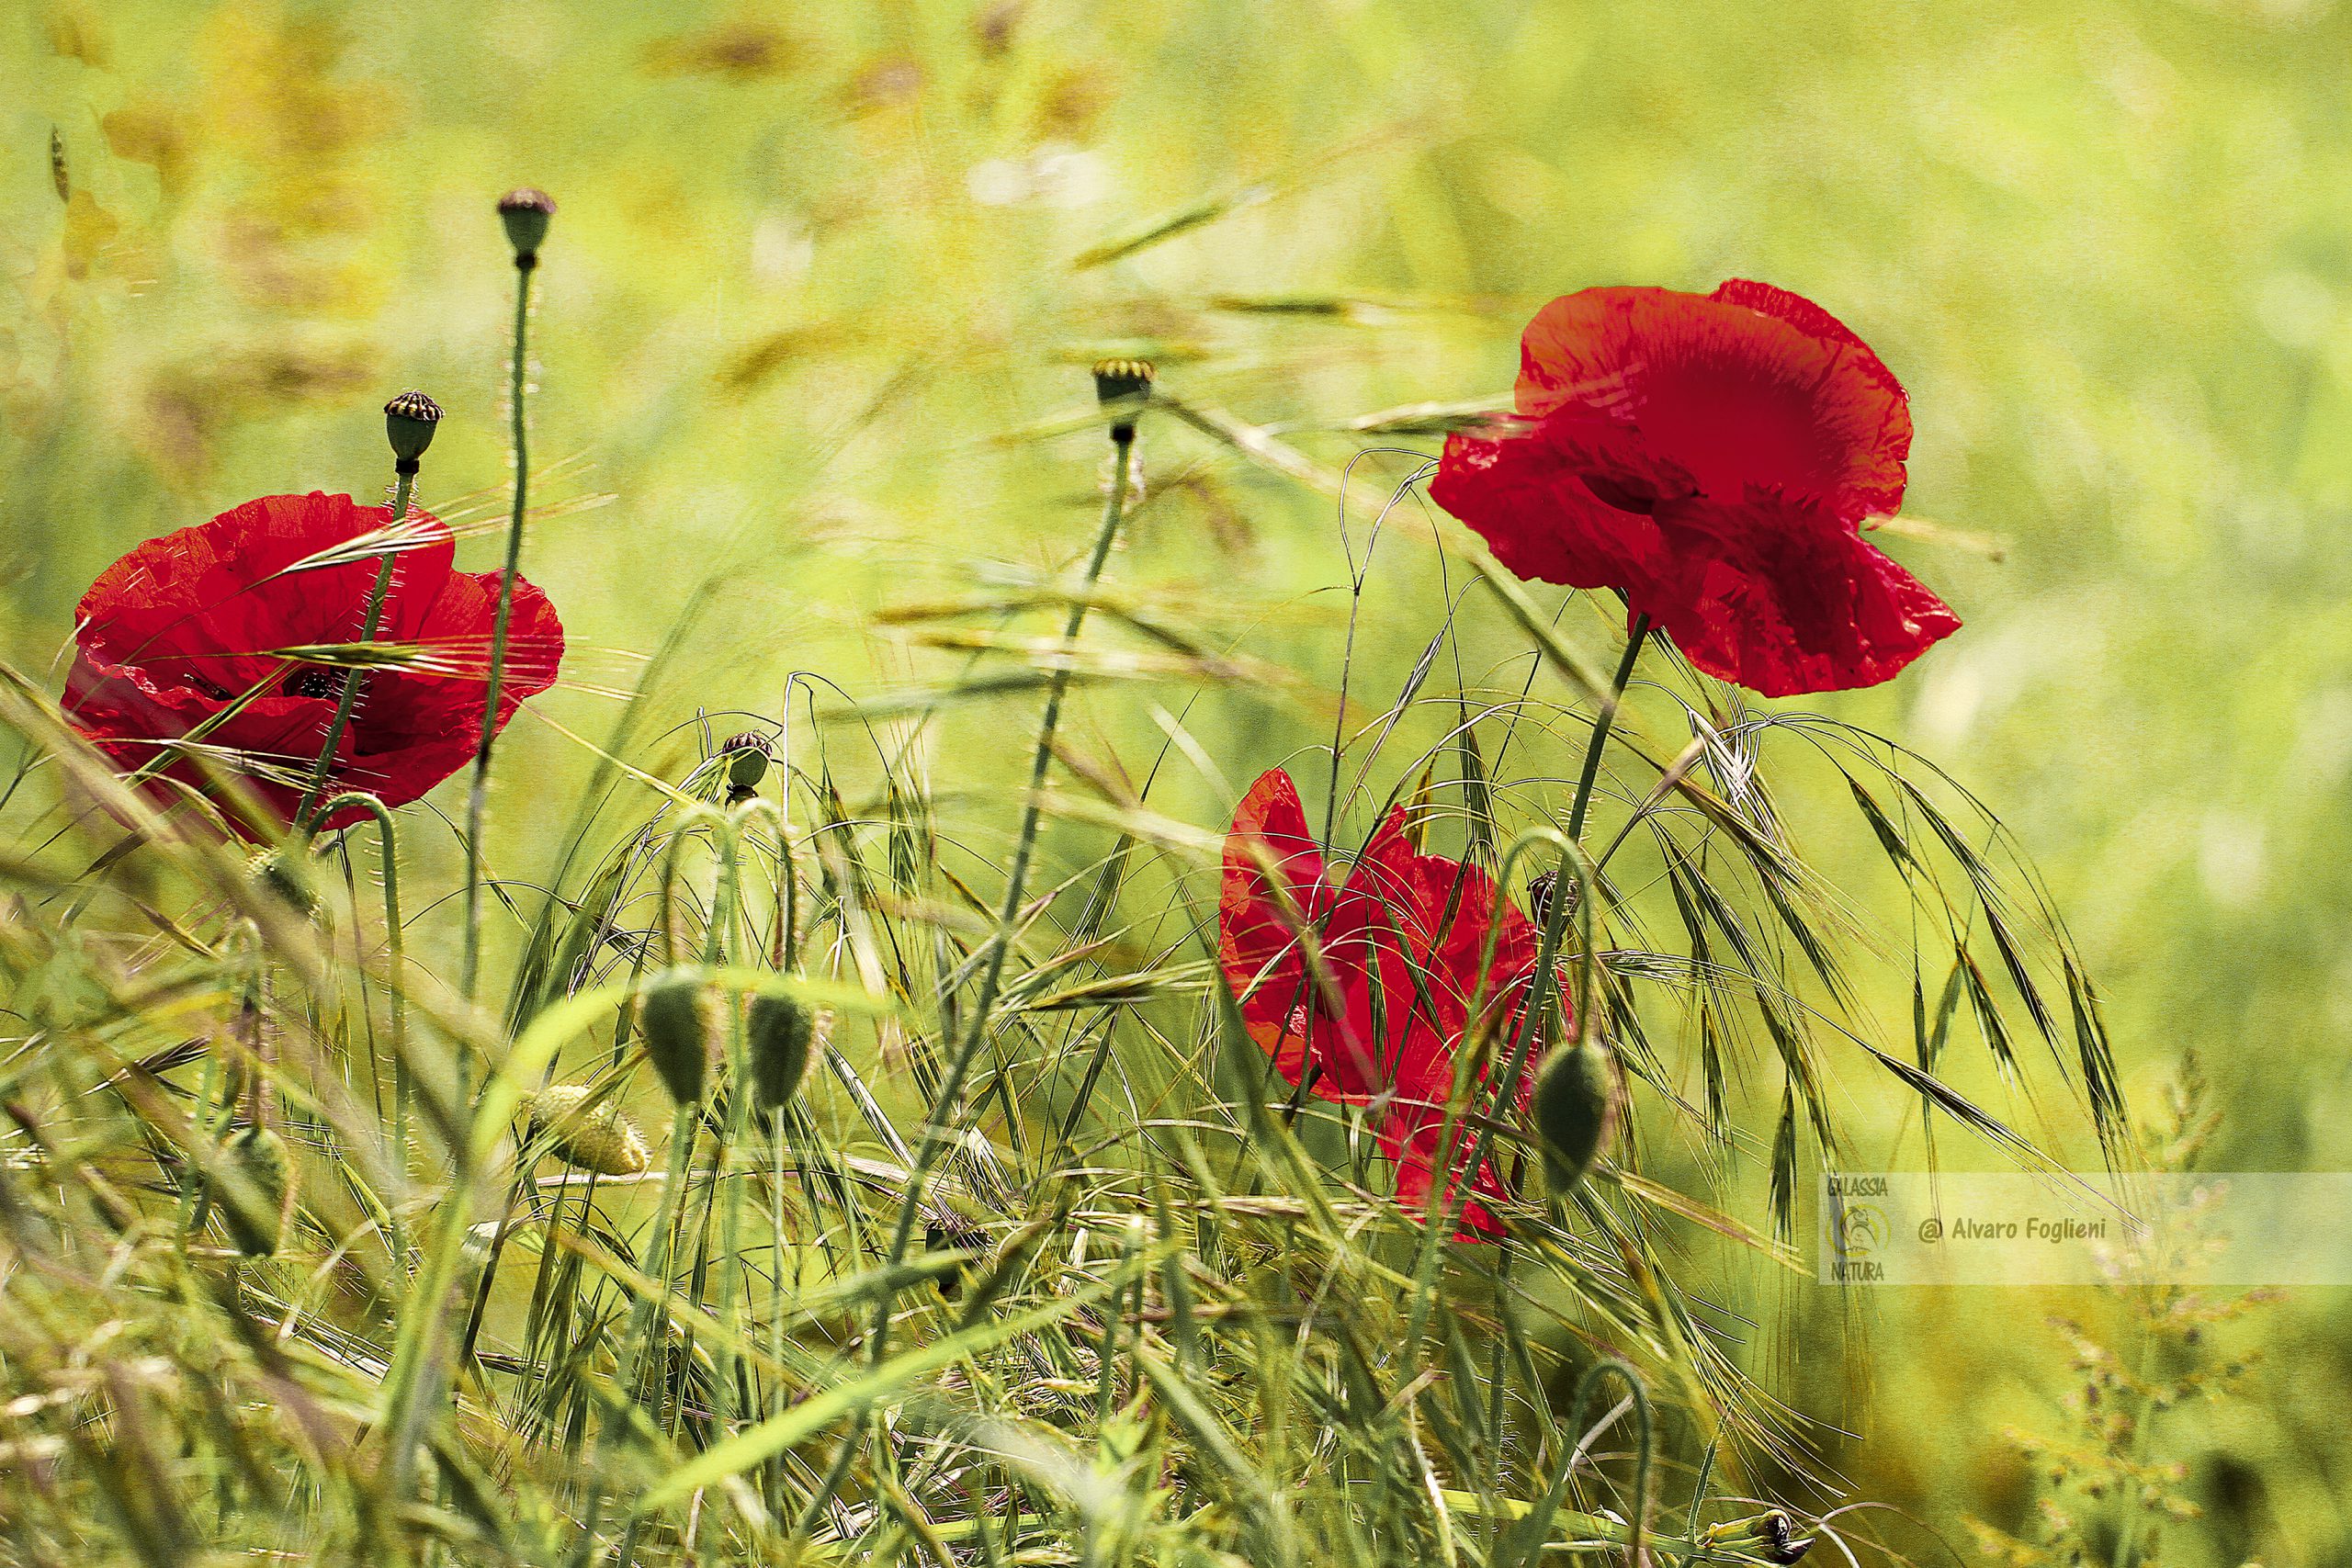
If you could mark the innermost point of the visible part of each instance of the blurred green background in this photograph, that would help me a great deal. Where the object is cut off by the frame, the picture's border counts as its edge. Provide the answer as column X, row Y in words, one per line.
column 809, row 314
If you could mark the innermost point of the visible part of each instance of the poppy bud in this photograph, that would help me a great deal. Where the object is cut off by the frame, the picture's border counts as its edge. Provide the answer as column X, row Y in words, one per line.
column 748, row 756
column 408, row 422
column 778, row 1032
column 253, row 1209
column 600, row 1138
column 1575, row 1107
column 525, row 213
column 1123, row 385
column 676, row 1017
column 271, row 869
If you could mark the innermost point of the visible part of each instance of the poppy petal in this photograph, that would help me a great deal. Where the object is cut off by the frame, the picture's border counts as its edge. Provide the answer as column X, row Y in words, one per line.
column 1259, row 918
column 1779, row 599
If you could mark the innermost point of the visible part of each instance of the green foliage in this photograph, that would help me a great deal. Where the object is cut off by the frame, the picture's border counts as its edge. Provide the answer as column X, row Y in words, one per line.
column 809, row 356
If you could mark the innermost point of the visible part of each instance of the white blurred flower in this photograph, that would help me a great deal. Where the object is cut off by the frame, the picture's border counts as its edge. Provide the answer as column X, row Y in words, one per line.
column 1056, row 175
column 782, row 251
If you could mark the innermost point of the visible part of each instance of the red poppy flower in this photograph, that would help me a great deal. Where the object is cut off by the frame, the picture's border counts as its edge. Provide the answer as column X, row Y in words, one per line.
column 1712, row 458
column 185, row 630
column 1376, row 1014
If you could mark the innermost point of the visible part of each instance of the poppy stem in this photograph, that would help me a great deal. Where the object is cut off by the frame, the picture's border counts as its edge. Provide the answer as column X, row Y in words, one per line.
column 939, row 1127
column 478, row 799
column 1601, row 726
column 356, row 683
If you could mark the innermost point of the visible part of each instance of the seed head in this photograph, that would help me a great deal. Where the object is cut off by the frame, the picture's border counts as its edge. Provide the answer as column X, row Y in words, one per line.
column 525, row 213
column 408, row 422
column 271, row 869
column 779, row 1033
column 747, row 755
column 592, row 1137
column 1575, row 1109
column 1122, row 380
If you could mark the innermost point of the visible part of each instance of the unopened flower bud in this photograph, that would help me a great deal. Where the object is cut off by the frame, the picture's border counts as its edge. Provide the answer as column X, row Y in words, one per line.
column 597, row 1138
column 272, row 870
column 677, row 1017
column 525, row 213
column 1575, row 1109
column 408, row 422
column 253, row 1207
column 779, row 1032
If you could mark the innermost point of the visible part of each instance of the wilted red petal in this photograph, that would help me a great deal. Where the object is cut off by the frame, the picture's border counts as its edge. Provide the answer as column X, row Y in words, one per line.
column 1410, row 1132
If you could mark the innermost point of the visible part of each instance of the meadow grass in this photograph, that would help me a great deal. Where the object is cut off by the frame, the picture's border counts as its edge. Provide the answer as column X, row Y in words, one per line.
column 1144, row 1303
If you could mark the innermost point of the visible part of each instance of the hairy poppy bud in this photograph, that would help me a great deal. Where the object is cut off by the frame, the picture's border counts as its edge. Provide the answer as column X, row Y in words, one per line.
column 597, row 1138
column 778, row 1032
column 748, row 756
column 272, row 870
column 1122, row 386
column 677, row 1018
column 1575, row 1107
column 408, row 422
column 254, row 1208
column 525, row 213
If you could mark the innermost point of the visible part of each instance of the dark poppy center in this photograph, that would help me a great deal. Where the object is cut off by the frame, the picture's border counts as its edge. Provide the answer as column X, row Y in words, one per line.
column 312, row 682
column 1624, row 498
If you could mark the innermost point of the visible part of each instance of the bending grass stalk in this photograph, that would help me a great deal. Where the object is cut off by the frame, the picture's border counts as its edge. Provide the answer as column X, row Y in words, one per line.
column 1437, row 1227
column 642, row 1317
column 357, row 681
column 1573, row 858
column 936, row 1131
column 724, row 834
column 388, row 851
column 1537, row 1522
column 478, row 799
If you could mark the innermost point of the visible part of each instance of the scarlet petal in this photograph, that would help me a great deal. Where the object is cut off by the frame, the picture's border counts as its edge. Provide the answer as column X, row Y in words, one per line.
column 1258, row 937
column 1410, row 1134
column 1751, row 386
column 1779, row 599
column 1537, row 501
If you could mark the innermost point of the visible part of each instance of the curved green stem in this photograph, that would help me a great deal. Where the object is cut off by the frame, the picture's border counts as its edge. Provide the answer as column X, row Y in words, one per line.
column 388, row 851
column 938, row 1129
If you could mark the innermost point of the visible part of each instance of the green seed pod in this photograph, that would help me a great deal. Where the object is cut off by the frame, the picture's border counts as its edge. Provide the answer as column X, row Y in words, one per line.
column 597, row 1138
column 253, row 1209
column 525, row 213
column 410, row 421
column 677, row 1018
column 778, row 1032
column 1575, row 1108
